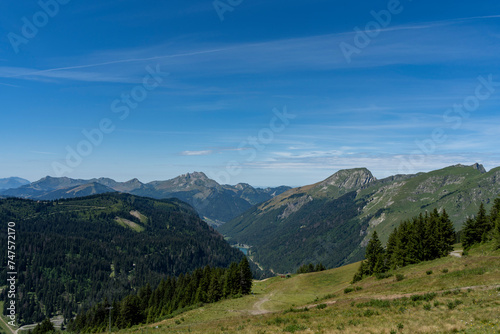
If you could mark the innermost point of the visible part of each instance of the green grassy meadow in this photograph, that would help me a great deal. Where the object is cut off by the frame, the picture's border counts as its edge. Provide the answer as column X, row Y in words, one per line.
column 448, row 295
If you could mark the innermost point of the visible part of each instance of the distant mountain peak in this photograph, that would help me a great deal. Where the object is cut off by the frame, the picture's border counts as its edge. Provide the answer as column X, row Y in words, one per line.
column 196, row 175
column 479, row 167
column 350, row 179
column 134, row 180
column 52, row 183
column 12, row 182
column 241, row 186
column 476, row 166
column 194, row 178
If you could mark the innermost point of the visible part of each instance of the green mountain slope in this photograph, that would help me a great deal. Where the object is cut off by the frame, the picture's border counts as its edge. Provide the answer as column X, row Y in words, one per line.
column 330, row 221
column 77, row 251
column 447, row 295
column 457, row 189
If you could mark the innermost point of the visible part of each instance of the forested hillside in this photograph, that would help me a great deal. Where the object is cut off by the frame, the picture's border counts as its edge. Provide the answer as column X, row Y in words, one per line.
column 331, row 221
column 173, row 295
column 81, row 251
column 214, row 202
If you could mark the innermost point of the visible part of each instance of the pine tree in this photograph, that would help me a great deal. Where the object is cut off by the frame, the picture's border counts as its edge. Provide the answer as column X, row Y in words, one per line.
column 476, row 230
column 496, row 233
column 319, row 267
column 374, row 254
column 144, row 295
column 380, row 266
column 214, row 291
column 391, row 246
column 414, row 247
column 130, row 312
column 433, row 236
column 470, row 233
column 44, row 327
column 231, row 281
column 446, row 234
column 246, row 277
column 400, row 250
column 495, row 211
column 495, row 222
column 358, row 276
column 482, row 223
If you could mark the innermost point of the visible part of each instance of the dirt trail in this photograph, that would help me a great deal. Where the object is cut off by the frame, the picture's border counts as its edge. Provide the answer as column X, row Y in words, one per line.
column 12, row 331
column 457, row 253
column 258, row 306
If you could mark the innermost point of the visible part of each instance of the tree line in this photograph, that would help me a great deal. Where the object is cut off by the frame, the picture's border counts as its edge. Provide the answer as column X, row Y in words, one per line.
column 423, row 238
column 310, row 268
column 482, row 227
column 203, row 285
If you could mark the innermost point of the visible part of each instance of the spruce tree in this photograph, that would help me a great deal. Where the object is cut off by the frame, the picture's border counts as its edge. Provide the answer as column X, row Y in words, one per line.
column 245, row 276
column 391, row 246
column 482, row 224
column 144, row 295
column 495, row 211
column 496, row 233
column 495, row 222
column 358, row 276
column 470, row 234
column 44, row 327
column 214, row 290
column 400, row 250
column 432, row 236
column 446, row 234
column 414, row 248
column 130, row 312
column 374, row 253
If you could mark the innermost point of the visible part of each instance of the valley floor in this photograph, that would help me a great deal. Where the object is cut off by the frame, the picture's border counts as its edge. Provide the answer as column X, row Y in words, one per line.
column 448, row 295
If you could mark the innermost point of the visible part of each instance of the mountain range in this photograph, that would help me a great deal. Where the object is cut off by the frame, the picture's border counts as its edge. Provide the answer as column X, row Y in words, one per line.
column 330, row 221
column 12, row 182
column 214, row 202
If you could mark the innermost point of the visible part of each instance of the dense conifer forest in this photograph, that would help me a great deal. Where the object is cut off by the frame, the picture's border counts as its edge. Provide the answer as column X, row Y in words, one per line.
column 423, row 238
column 428, row 237
column 75, row 253
column 203, row 285
column 482, row 227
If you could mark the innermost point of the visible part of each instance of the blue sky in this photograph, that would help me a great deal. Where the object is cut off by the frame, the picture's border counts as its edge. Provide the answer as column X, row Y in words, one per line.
column 393, row 102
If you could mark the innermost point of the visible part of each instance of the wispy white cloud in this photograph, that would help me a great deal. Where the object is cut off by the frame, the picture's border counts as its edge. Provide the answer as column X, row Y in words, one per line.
column 381, row 165
column 427, row 42
column 9, row 85
column 196, row 153
column 309, row 154
column 44, row 153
